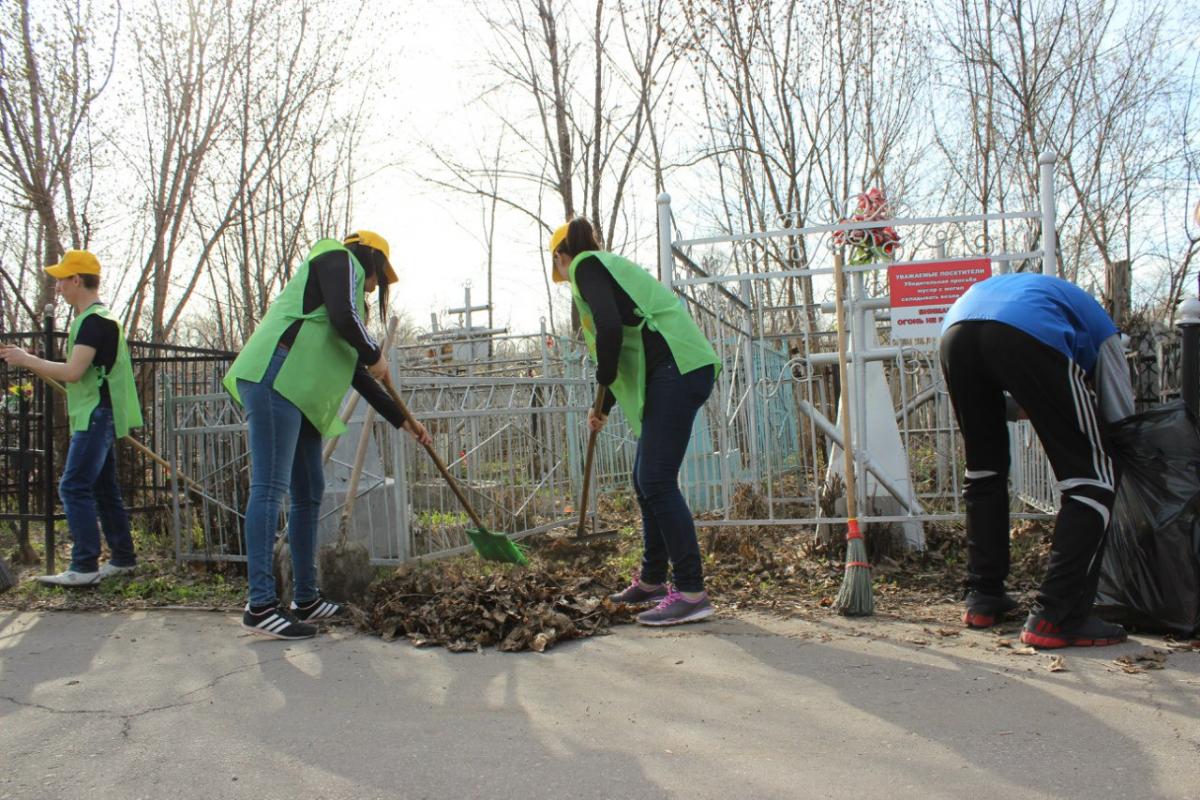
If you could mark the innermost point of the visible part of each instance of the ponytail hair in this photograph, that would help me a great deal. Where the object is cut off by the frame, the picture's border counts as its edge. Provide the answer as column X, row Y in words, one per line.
column 580, row 238
column 373, row 263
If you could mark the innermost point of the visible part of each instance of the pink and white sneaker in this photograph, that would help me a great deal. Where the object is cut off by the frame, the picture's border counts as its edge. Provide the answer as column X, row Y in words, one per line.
column 638, row 593
column 675, row 609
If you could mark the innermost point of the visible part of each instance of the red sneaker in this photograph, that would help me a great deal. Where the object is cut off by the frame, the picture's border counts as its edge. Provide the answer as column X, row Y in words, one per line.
column 1091, row 632
column 985, row 610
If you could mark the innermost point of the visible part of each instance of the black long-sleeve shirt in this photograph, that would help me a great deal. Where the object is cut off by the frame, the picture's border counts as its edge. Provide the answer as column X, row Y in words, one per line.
column 331, row 283
column 613, row 308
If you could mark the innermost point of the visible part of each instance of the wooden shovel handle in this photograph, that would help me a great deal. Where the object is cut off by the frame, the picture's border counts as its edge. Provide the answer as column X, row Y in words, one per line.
column 437, row 460
column 847, row 449
column 137, row 445
column 597, row 408
column 360, row 456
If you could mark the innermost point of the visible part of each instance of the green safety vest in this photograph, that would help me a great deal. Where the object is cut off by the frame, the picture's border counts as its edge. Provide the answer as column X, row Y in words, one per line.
column 660, row 310
column 83, row 395
column 320, row 363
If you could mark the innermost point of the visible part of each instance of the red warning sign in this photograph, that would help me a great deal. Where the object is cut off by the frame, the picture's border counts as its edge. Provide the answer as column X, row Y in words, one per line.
column 921, row 294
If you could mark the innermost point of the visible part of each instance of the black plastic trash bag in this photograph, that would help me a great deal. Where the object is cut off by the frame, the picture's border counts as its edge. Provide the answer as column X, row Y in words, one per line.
column 1150, row 577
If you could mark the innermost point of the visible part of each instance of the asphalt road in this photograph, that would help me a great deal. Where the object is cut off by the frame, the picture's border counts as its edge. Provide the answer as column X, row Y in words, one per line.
column 177, row 705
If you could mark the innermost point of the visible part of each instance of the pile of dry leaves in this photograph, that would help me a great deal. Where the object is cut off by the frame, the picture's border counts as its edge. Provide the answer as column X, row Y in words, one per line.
column 465, row 605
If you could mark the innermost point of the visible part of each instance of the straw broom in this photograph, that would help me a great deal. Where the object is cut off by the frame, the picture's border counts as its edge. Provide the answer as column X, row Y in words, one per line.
column 345, row 568
column 854, row 598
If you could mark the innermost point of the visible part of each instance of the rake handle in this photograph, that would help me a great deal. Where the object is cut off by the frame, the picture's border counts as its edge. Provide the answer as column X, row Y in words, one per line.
column 437, row 460
column 597, row 407
column 847, row 452
column 141, row 448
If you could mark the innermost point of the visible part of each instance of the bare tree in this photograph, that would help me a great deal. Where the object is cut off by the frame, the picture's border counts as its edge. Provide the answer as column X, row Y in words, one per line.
column 574, row 139
column 252, row 154
column 293, row 172
column 52, row 70
column 1085, row 78
column 1180, row 207
column 806, row 105
column 186, row 70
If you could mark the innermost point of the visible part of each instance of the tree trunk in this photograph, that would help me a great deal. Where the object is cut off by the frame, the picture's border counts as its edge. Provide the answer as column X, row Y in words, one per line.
column 1118, row 296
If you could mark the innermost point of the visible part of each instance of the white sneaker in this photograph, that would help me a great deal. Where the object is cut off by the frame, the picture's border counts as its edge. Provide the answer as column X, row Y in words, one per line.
column 109, row 570
column 70, row 578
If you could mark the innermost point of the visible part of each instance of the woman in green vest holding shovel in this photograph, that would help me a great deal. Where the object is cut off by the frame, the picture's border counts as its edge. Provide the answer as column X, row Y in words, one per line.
column 659, row 367
column 102, row 405
column 291, row 377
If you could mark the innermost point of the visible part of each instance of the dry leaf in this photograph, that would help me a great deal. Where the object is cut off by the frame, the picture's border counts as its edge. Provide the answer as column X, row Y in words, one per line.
column 465, row 607
column 1024, row 651
column 1057, row 664
column 942, row 631
column 1150, row 658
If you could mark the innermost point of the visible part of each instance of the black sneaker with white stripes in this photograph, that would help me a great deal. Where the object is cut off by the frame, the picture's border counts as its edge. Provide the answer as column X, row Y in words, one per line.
column 317, row 609
column 277, row 624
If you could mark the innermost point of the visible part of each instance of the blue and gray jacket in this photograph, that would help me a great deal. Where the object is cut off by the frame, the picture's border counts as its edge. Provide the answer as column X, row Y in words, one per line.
column 1060, row 315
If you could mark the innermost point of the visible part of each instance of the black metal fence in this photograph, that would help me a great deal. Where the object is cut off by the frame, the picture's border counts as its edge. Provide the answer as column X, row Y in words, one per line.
column 35, row 431
column 1155, row 366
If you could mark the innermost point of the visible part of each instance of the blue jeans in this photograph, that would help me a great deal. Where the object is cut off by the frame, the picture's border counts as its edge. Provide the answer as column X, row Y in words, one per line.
column 89, row 491
column 285, row 456
column 668, row 530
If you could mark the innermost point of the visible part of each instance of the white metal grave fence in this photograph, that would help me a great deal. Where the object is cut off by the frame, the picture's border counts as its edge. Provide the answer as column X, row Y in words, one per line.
column 764, row 449
column 770, row 439
column 514, row 443
column 517, row 445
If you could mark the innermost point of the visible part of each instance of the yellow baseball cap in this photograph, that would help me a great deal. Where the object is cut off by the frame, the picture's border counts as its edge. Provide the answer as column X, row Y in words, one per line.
column 556, row 239
column 75, row 262
column 374, row 240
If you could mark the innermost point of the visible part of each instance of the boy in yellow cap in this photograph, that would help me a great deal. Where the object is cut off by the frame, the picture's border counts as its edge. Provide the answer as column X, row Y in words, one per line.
column 102, row 406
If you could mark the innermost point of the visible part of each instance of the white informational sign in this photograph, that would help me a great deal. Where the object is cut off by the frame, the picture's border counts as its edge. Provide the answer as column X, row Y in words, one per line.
column 921, row 294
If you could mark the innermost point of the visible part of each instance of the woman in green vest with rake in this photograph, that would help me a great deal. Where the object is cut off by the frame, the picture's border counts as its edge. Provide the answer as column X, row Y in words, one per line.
column 102, row 405
column 660, row 369
column 291, row 377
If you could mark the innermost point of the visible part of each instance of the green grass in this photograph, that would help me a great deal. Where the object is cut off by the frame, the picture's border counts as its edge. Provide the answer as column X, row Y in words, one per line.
column 155, row 583
column 158, row 581
column 436, row 519
column 177, row 589
column 619, row 502
column 628, row 557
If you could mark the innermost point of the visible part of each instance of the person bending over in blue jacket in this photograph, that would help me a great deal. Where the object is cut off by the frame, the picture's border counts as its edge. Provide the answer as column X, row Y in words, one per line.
column 1049, row 345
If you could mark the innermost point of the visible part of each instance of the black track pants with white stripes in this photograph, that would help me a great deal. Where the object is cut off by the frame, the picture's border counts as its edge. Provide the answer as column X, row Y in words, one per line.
column 980, row 361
